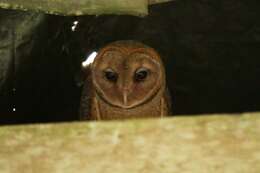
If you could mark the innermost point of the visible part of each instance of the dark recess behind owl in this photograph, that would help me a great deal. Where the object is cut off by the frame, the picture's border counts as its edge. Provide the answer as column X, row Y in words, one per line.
column 210, row 49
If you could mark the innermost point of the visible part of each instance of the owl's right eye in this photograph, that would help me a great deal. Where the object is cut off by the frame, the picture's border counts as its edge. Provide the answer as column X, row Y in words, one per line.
column 110, row 75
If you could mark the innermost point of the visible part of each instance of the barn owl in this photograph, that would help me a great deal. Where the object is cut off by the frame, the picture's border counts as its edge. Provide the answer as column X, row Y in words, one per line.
column 125, row 80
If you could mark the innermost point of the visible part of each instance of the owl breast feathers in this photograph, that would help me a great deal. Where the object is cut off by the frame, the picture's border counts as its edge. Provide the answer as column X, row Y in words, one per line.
column 126, row 80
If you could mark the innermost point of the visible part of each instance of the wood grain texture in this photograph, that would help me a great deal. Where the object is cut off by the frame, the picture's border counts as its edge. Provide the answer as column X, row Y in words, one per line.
column 201, row 144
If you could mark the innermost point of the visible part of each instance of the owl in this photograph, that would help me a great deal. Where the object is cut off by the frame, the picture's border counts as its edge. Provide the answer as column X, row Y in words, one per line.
column 126, row 80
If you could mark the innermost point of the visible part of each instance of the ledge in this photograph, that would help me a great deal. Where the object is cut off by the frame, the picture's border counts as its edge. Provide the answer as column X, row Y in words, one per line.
column 216, row 143
column 82, row 7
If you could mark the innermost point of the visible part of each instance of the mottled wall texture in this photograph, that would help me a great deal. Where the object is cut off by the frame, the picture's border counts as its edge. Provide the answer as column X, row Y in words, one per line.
column 211, row 50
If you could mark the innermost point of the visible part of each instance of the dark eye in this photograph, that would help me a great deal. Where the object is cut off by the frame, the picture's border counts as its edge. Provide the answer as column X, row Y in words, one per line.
column 141, row 74
column 110, row 75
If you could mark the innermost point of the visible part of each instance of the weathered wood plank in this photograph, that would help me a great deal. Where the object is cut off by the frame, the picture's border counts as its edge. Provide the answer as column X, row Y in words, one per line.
column 79, row 7
column 183, row 144
column 82, row 7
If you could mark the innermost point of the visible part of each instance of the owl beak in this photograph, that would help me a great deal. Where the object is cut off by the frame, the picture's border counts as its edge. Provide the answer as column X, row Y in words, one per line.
column 125, row 93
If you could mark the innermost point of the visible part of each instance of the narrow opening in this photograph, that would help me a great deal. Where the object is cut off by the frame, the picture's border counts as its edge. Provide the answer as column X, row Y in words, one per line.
column 210, row 52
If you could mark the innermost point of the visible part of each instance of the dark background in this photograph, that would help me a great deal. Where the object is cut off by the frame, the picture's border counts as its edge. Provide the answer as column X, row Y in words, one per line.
column 211, row 50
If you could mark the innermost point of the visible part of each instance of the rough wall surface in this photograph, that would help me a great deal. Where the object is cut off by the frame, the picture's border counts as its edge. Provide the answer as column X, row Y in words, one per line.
column 215, row 144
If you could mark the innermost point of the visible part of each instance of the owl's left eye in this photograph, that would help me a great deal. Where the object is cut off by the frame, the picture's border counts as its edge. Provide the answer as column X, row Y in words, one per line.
column 141, row 74
column 110, row 75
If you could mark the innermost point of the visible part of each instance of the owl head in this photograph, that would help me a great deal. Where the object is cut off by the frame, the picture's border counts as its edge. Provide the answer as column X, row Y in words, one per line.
column 127, row 74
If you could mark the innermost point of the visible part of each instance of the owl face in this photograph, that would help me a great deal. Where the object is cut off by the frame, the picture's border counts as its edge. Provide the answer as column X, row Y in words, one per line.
column 126, row 76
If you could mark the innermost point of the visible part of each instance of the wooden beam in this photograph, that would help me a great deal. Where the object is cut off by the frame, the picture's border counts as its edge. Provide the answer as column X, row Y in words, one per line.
column 214, row 144
column 79, row 7
column 82, row 7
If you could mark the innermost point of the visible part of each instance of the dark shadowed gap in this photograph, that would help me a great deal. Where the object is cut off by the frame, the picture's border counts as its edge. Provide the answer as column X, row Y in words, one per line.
column 209, row 49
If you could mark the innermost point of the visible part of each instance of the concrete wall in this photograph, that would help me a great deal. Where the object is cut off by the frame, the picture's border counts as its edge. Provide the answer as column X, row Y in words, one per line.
column 215, row 144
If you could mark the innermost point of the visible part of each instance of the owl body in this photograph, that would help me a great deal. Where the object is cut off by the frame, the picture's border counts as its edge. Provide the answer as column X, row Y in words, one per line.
column 126, row 80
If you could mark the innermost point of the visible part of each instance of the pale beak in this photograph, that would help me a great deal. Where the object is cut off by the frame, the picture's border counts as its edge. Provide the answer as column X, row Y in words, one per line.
column 125, row 92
